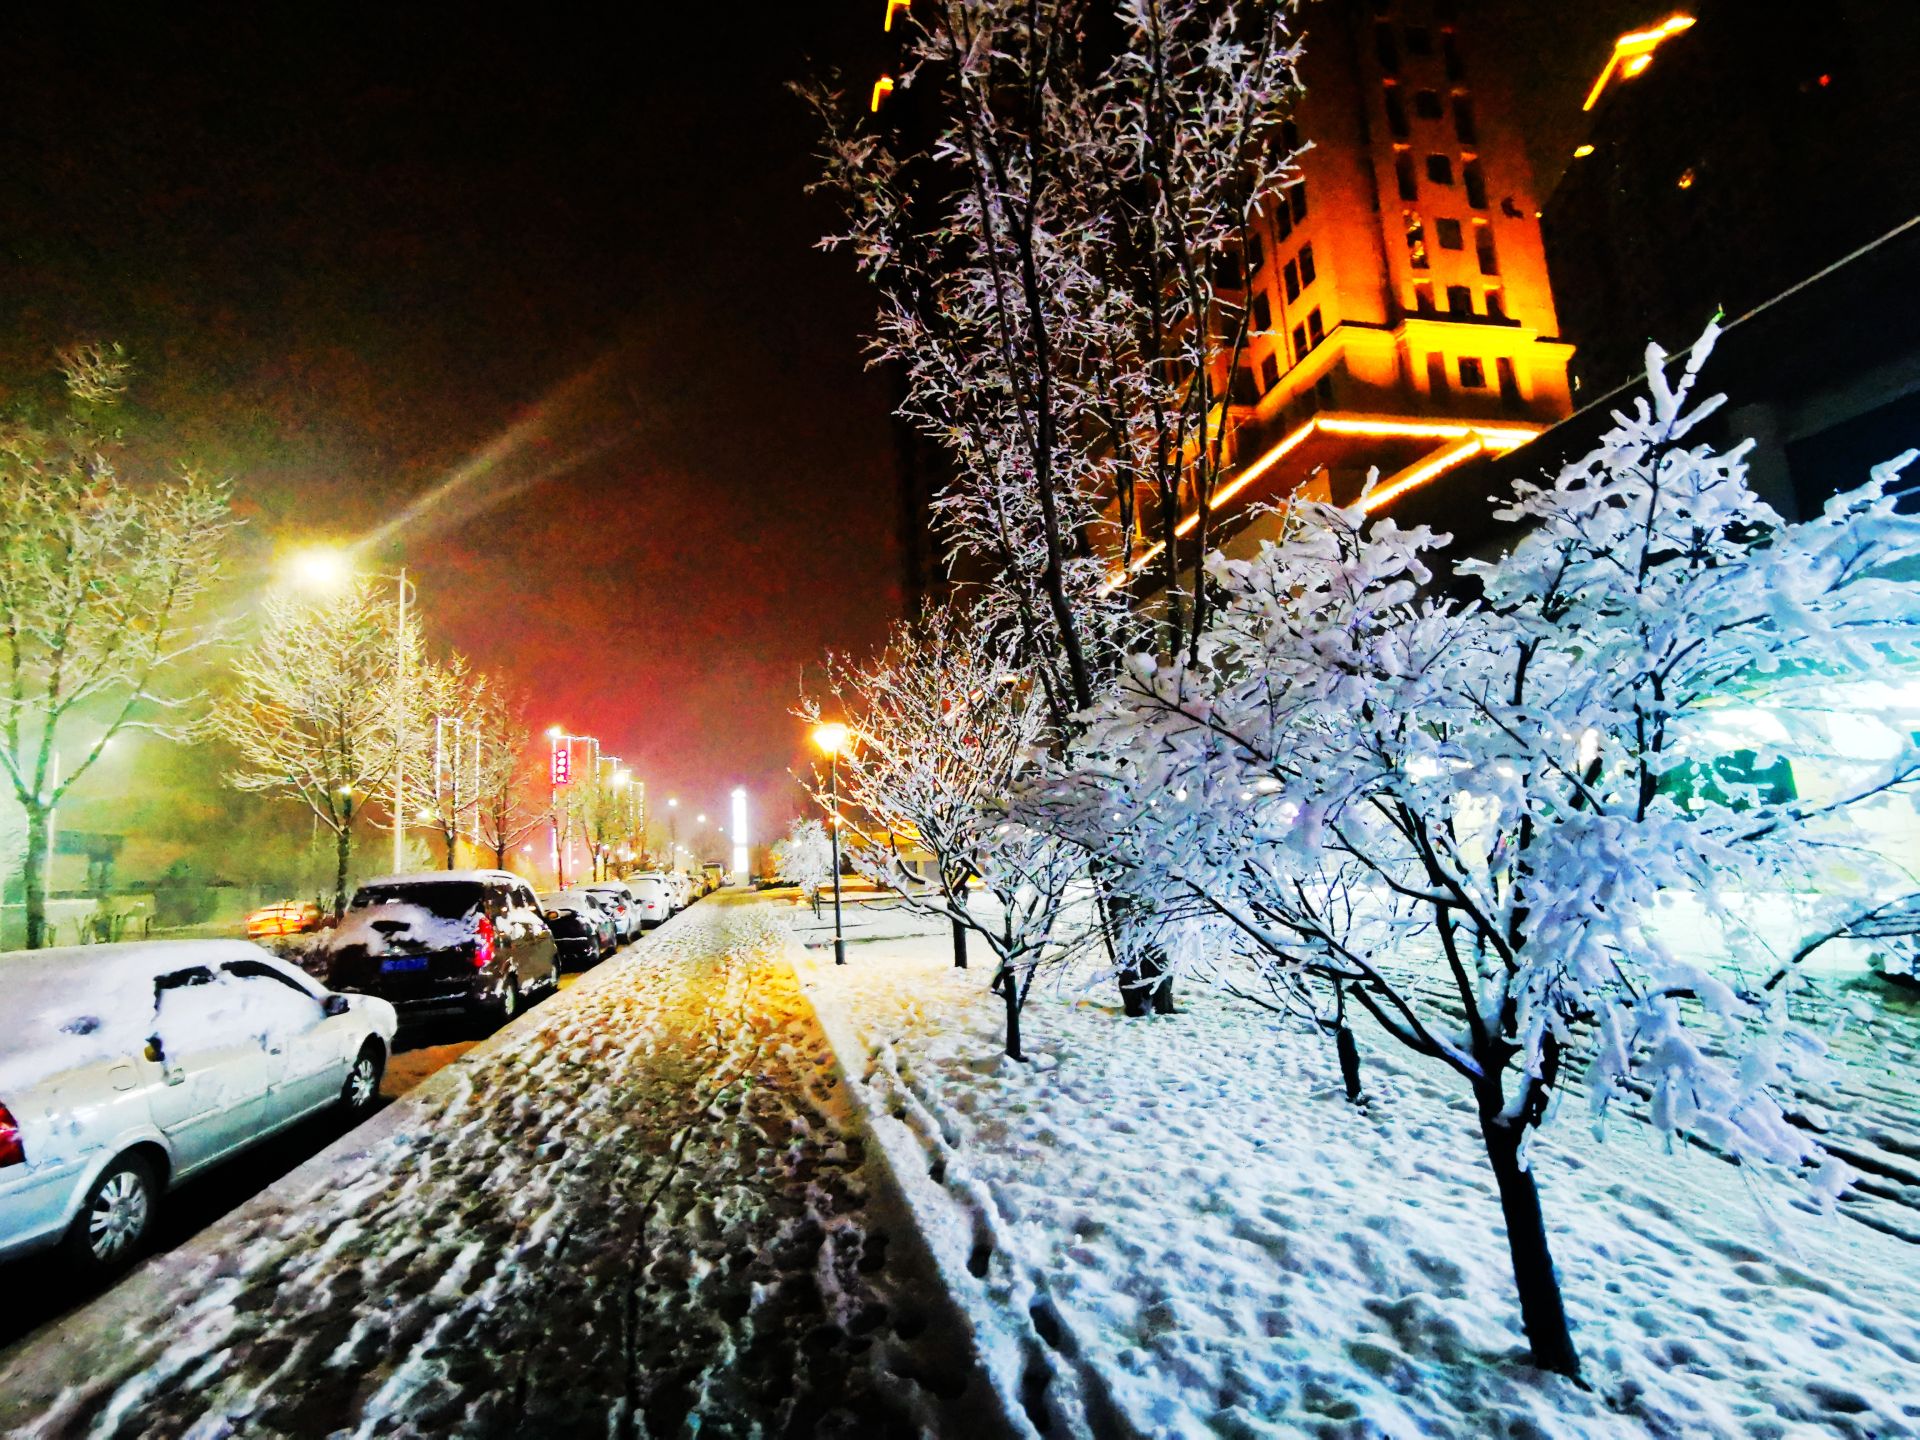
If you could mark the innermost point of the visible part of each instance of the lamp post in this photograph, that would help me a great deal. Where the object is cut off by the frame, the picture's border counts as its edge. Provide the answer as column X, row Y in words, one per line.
column 559, row 736
column 325, row 568
column 832, row 739
column 673, row 833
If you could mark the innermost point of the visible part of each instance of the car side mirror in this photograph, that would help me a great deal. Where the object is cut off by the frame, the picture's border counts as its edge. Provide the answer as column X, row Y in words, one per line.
column 335, row 1005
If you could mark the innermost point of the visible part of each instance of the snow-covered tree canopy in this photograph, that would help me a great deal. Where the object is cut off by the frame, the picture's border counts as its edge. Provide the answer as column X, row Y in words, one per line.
column 804, row 856
column 1471, row 819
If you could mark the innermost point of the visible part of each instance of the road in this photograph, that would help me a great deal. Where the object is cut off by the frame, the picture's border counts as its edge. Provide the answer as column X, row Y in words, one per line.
column 39, row 1291
column 648, row 1213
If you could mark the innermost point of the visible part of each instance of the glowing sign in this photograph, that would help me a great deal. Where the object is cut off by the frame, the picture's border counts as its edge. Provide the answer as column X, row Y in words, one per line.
column 562, row 763
column 1633, row 53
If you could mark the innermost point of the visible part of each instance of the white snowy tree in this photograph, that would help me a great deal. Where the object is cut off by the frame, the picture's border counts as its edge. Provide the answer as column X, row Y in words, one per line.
column 943, row 728
column 450, row 698
column 311, row 714
column 805, row 857
column 504, row 812
column 100, row 579
column 1468, row 819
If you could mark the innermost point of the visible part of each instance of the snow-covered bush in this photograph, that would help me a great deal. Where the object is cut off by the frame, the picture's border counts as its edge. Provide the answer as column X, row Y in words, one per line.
column 805, row 858
column 1468, row 818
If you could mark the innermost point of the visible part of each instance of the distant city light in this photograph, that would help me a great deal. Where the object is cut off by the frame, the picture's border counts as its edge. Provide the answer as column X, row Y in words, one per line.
column 740, row 835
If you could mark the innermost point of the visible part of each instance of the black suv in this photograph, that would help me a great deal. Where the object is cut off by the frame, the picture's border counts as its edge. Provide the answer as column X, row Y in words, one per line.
column 445, row 942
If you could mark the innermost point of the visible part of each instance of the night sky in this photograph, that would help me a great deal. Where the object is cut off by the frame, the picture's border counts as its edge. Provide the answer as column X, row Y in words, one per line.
column 562, row 261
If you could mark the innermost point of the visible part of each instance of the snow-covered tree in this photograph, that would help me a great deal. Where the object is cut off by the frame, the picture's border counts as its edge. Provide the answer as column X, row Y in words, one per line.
column 804, row 856
column 450, row 699
column 943, row 727
column 1470, row 819
column 101, row 576
column 312, row 709
column 504, row 814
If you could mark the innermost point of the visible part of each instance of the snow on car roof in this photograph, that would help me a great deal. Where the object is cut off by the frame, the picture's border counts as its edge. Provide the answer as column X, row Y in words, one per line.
column 429, row 877
column 92, row 967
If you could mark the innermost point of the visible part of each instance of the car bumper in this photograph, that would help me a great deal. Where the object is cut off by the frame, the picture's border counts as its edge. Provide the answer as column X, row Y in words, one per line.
column 36, row 1208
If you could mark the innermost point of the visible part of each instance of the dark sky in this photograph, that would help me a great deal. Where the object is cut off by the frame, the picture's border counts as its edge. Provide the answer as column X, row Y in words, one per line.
column 358, row 251
column 561, row 260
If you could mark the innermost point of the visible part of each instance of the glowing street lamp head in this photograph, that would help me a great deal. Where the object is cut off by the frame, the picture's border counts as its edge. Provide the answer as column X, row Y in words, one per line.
column 556, row 732
column 831, row 737
column 672, row 804
column 321, row 568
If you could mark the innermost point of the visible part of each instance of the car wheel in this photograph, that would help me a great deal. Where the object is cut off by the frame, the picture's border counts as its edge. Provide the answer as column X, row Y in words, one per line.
column 508, row 1005
column 362, row 1087
column 114, row 1218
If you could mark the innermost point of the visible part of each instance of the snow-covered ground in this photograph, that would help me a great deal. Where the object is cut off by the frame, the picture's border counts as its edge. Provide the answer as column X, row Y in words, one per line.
column 1179, row 1227
column 644, row 1209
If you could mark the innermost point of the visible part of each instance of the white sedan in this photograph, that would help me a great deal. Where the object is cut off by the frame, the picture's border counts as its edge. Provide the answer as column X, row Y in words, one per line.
column 124, row 1069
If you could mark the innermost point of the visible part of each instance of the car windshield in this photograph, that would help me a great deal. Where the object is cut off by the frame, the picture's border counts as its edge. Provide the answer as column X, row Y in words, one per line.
column 445, row 899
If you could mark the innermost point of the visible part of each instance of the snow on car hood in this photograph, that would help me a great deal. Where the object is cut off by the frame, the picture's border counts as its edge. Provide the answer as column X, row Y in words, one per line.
column 396, row 925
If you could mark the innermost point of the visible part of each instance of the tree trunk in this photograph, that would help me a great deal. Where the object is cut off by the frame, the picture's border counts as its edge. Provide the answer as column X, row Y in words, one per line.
column 959, row 944
column 453, row 846
column 1010, row 993
column 500, row 855
column 343, row 848
column 35, row 876
column 1542, row 1315
column 1146, row 987
column 1349, row 1054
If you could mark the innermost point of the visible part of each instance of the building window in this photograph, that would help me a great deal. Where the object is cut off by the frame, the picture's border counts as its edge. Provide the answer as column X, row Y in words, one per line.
column 1473, row 375
column 1256, row 253
column 1463, row 121
column 1423, row 297
column 1290, row 135
column 1297, row 200
column 1384, row 50
column 1403, row 173
column 1419, row 40
column 1299, row 341
column 1449, row 47
column 1496, row 303
column 1323, row 390
column 1292, row 277
column 1483, row 248
column 1476, row 183
column 1459, row 300
column 1416, row 239
column 1397, row 113
column 1447, row 232
column 1315, row 332
column 1440, row 169
column 1269, row 372
column 1307, row 272
column 1282, row 222
column 1509, row 382
column 1245, row 389
column 1262, row 311
column 1436, row 374
column 1426, row 104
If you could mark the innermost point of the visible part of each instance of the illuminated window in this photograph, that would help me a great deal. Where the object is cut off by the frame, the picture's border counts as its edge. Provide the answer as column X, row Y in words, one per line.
column 1397, row 113
column 1447, row 232
column 1262, row 311
column 1419, row 40
column 1416, row 239
column 1464, row 124
column 1685, row 182
column 1403, row 173
column 1473, row 375
column 1476, row 183
column 1440, row 169
column 1459, row 300
column 1483, row 248
column 1292, row 277
column 1269, row 372
column 1426, row 104
column 1307, row 271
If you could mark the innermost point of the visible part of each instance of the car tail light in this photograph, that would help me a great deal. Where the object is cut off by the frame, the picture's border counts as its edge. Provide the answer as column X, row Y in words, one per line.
column 483, row 944
column 12, row 1152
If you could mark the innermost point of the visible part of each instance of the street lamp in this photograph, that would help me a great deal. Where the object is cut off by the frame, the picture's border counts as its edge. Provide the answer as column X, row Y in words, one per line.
column 831, row 737
column 673, row 830
column 557, row 734
column 325, row 568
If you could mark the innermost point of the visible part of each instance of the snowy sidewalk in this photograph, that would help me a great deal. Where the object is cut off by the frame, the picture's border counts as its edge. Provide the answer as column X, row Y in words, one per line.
column 644, row 1210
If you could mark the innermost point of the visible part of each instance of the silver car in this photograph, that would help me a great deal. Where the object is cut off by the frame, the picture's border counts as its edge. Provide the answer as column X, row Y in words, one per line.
column 124, row 1069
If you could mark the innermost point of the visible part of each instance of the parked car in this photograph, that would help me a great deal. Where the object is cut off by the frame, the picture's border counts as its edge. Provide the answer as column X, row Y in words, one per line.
column 125, row 1069
column 582, row 931
column 716, row 874
column 615, row 893
column 445, row 942
column 653, row 896
column 287, row 917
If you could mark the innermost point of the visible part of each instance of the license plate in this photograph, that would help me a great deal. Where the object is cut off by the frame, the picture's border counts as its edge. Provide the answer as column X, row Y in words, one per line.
column 411, row 962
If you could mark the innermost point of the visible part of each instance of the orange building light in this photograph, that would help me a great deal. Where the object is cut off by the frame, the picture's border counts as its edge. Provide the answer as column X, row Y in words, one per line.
column 882, row 88
column 1633, row 53
column 894, row 7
